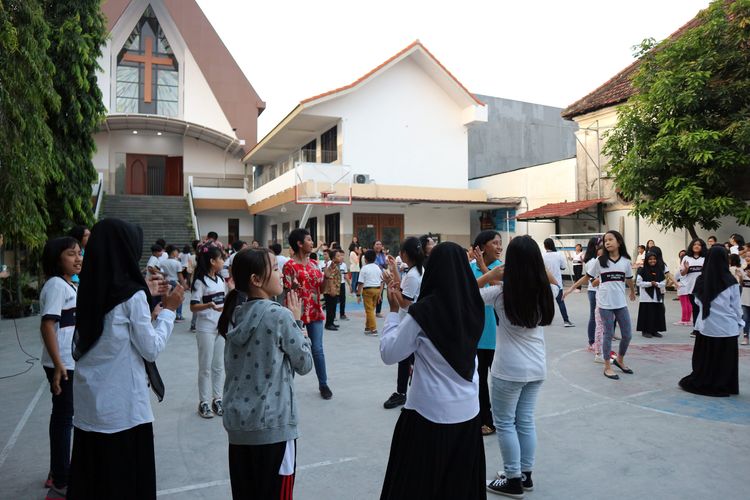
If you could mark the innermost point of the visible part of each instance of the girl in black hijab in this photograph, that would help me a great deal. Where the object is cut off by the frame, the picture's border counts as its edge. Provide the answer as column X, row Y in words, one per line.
column 715, row 356
column 437, row 449
column 651, row 280
column 115, row 346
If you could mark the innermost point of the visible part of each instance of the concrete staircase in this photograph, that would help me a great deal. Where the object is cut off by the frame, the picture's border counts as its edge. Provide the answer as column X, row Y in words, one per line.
column 165, row 217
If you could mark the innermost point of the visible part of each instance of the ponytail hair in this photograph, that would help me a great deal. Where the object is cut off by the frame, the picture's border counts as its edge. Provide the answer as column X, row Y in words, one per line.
column 247, row 263
column 205, row 254
column 413, row 249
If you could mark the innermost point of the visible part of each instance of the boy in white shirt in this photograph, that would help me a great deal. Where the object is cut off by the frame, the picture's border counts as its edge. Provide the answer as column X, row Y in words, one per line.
column 172, row 267
column 154, row 262
column 370, row 285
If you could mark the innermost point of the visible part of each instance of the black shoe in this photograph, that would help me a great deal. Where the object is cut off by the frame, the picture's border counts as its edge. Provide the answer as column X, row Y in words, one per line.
column 657, row 335
column 526, row 482
column 647, row 335
column 331, row 327
column 344, row 318
column 395, row 400
column 325, row 392
column 509, row 487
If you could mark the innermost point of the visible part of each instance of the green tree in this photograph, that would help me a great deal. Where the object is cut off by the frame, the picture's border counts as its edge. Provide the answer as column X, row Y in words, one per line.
column 681, row 146
column 78, row 31
column 26, row 96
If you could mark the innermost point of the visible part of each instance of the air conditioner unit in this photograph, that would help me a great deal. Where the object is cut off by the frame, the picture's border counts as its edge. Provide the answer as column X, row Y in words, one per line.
column 361, row 179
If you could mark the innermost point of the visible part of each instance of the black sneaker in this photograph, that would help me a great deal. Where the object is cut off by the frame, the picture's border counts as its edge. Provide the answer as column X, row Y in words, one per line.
column 395, row 400
column 647, row 335
column 217, row 407
column 331, row 327
column 325, row 392
column 204, row 410
column 344, row 318
column 657, row 335
column 526, row 482
column 509, row 487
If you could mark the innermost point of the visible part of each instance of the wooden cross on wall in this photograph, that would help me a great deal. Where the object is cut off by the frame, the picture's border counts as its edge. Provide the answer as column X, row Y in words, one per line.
column 148, row 59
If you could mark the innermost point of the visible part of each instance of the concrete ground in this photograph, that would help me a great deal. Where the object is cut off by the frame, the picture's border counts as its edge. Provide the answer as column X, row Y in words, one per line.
column 639, row 437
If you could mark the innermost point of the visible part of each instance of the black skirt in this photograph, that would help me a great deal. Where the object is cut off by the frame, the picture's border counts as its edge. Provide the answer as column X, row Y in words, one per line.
column 715, row 367
column 651, row 317
column 435, row 461
column 113, row 466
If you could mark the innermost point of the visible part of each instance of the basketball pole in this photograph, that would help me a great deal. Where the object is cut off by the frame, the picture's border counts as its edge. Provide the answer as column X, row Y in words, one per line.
column 305, row 215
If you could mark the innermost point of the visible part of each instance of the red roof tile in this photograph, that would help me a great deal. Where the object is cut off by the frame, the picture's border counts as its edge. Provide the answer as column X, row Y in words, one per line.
column 415, row 43
column 618, row 88
column 555, row 210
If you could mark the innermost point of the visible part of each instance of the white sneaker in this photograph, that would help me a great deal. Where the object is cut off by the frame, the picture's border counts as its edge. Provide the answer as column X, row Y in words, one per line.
column 598, row 359
column 568, row 324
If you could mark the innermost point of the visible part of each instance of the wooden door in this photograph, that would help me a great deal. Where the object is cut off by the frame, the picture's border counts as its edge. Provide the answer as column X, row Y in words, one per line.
column 136, row 174
column 173, row 176
column 388, row 228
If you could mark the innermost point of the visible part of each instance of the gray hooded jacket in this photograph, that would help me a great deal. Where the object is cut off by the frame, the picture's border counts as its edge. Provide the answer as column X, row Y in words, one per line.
column 262, row 353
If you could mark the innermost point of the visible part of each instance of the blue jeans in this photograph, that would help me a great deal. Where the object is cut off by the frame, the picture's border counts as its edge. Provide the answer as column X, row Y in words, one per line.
column 622, row 316
column 561, row 305
column 178, row 312
column 315, row 332
column 746, row 319
column 513, row 405
column 592, row 316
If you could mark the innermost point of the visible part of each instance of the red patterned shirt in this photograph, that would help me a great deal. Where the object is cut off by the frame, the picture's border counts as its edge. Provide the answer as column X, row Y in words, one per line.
column 306, row 280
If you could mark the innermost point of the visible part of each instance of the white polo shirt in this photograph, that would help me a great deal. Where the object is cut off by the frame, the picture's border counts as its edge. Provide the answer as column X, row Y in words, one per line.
column 370, row 276
column 58, row 303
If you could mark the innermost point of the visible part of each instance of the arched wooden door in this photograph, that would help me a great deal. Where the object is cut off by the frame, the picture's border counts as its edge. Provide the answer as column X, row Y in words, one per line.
column 136, row 175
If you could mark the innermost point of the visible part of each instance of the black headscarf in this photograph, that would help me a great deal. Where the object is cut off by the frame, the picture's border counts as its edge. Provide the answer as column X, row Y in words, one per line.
column 110, row 276
column 449, row 309
column 652, row 273
column 714, row 279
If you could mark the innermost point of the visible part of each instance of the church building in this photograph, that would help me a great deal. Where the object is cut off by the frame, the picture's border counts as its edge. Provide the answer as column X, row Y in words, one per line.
column 180, row 115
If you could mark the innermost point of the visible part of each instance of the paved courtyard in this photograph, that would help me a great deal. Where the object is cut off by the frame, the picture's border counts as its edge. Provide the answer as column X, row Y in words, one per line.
column 639, row 437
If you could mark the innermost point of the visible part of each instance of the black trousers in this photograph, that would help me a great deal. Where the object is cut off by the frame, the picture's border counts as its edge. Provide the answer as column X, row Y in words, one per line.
column 331, row 301
column 404, row 369
column 577, row 273
column 117, row 466
column 485, row 357
column 379, row 307
column 695, row 309
column 60, row 429
column 254, row 472
column 342, row 301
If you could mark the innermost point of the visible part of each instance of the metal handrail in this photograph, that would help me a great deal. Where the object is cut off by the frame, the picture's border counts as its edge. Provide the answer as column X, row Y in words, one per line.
column 193, row 215
column 99, row 195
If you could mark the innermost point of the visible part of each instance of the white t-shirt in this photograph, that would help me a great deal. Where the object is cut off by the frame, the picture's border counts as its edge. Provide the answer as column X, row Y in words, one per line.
column 58, row 303
column 154, row 262
column 734, row 249
column 555, row 263
column 110, row 387
column 184, row 259
column 695, row 267
column 589, row 267
column 745, row 290
column 519, row 352
column 163, row 257
column 611, row 293
column 281, row 260
column 204, row 291
column 410, row 286
column 370, row 276
column 578, row 258
column 171, row 268
column 342, row 268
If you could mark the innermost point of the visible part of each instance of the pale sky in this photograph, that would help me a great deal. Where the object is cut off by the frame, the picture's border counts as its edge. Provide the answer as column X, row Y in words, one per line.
column 549, row 52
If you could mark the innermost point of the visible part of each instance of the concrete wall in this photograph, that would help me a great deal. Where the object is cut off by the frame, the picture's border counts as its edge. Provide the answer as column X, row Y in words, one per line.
column 200, row 103
column 550, row 183
column 402, row 128
column 217, row 220
column 517, row 135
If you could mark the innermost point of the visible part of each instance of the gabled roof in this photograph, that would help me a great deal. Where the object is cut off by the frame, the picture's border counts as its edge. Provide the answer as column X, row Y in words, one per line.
column 557, row 210
column 619, row 88
column 237, row 98
column 415, row 46
column 416, row 49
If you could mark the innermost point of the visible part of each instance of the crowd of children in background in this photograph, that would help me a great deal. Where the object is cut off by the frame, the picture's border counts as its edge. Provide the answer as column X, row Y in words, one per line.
column 455, row 324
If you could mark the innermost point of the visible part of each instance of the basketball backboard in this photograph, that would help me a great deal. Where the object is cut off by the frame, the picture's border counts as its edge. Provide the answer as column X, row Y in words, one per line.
column 322, row 184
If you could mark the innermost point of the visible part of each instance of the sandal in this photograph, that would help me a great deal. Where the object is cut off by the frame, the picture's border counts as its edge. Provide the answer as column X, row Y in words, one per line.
column 487, row 430
column 624, row 369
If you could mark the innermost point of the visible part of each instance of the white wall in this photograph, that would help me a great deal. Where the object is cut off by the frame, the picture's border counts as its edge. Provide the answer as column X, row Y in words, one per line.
column 205, row 160
column 217, row 220
column 200, row 104
column 402, row 128
column 549, row 183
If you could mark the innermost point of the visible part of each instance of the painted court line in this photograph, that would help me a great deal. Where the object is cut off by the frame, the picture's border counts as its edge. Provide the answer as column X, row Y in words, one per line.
column 223, row 482
column 21, row 423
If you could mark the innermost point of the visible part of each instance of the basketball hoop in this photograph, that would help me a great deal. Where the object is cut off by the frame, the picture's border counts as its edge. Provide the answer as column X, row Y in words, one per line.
column 322, row 184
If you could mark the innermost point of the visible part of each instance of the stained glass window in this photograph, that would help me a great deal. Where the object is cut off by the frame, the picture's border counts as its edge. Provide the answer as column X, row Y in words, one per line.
column 147, row 71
